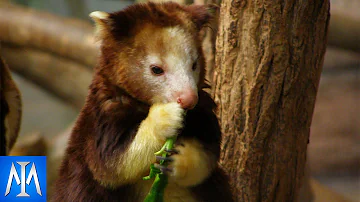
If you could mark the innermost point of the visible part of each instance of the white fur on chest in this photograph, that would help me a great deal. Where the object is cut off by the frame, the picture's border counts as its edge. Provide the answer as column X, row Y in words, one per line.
column 173, row 192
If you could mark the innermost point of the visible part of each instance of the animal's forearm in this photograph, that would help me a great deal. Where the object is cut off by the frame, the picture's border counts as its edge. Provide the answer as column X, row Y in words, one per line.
column 140, row 153
column 163, row 121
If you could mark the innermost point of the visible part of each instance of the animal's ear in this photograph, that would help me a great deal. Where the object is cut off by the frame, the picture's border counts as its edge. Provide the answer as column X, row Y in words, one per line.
column 102, row 23
column 202, row 14
column 116, row 25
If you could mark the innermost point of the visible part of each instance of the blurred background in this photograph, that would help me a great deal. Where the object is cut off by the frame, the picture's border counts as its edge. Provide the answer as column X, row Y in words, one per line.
column 51, row 55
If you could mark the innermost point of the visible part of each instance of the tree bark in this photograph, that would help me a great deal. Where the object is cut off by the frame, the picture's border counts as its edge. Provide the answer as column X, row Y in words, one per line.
column 62, row 77
column 269, row 57
column 209, row 40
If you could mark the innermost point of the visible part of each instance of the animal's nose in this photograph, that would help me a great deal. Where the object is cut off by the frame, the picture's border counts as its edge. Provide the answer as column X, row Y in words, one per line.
column 187, row 99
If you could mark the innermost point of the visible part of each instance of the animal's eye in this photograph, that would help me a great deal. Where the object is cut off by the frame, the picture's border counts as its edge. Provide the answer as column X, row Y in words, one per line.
column 194, row 66
column 157, row 70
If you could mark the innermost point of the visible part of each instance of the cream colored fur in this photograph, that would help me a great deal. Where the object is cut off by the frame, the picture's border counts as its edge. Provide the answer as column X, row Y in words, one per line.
column 176, row 60
column 173, row 192
column 163, row 121
column 99, row 18
column 192, row 165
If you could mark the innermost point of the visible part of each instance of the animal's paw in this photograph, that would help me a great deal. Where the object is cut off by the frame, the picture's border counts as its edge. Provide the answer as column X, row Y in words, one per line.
column 188, row 164
column 167, row 119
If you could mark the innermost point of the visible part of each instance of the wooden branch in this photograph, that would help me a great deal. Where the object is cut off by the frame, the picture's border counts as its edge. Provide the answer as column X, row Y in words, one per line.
column 323, row 193
column 269, row 58
column 339, row 60
column 63, row 77
column 334, row 142
column 344, row 32
column 64, row 36
column 33, row 144
column 314, row 191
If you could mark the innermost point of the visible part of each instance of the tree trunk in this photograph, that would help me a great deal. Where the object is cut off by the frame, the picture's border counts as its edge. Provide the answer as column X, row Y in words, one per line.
column 209, row 40
column 269, row 57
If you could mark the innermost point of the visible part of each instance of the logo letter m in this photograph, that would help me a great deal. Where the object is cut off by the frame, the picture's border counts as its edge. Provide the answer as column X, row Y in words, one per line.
column 14, row 174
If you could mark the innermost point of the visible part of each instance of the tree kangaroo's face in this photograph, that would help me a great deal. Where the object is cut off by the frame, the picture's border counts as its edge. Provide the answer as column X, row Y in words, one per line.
column 169, row 65
column 155, row 51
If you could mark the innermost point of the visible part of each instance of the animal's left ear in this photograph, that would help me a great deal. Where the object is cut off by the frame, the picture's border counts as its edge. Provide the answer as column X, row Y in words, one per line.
column 202, row 14
column 102, row 22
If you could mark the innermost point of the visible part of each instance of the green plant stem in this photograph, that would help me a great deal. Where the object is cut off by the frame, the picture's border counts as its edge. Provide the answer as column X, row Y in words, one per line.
column 156, row 193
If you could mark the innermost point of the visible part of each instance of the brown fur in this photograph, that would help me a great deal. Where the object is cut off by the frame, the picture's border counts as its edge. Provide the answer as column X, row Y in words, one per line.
column 4, row 110
column 11, row 109
column 118, row 102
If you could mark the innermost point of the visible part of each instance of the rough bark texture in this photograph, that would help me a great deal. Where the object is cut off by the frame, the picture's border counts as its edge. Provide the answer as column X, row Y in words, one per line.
column 209, row 40
column 268, row 64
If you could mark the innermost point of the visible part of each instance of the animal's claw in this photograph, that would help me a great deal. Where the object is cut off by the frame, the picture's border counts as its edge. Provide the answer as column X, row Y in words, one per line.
column 172, row 151
column 163, row 169
column 165, row 159
column 179, row 144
